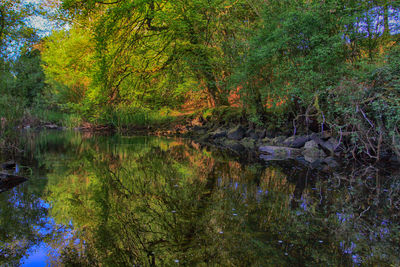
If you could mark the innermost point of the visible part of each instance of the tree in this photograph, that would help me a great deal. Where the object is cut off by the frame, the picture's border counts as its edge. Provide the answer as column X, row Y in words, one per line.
column 30, row 79
column 68, row 64
column 14, row 30
column 148, row 40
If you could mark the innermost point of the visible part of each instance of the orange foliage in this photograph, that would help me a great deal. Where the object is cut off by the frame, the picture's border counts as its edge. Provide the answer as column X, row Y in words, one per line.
column 234, row 97
column 269, row 103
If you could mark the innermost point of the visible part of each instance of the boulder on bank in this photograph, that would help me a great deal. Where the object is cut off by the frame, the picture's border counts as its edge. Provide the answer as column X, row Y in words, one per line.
column 256, row 134
column 234, row 145
column 331, row 145
column 312, row 152
column 266, row 141
column 278, row 141
column 236, row 133
column 296, row 141
column 311, row 145
column 51, row 126
column 331, row 162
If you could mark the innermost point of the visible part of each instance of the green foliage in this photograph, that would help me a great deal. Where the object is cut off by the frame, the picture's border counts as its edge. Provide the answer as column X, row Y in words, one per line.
column 224, row 114
column 7, row 79
column 150, row 54
column 68, row 64
column 21, row 78
column 126, row 117
column 368, row 106
column 14, row 28
column 291, row 63
column 11, row 112
column 29, row 82
column 298, row 52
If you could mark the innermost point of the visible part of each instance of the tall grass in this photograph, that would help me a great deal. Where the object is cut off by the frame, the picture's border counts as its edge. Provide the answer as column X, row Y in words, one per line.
column 11, row 113
column 60, row 118
column 126, row 117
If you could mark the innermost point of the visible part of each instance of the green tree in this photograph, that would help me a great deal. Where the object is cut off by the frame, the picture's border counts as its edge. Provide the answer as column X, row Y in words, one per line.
column 30, row 78
column 14, row 29
column 140, row 43
column 68, row 64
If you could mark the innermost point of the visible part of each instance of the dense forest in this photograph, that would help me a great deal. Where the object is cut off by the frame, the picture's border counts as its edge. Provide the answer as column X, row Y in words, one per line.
column 278, row 64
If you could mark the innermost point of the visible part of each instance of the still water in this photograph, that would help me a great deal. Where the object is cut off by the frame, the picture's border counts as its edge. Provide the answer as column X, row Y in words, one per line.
column 141, row 201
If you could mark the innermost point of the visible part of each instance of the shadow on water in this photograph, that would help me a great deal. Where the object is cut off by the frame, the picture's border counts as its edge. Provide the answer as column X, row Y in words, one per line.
column 123, row 201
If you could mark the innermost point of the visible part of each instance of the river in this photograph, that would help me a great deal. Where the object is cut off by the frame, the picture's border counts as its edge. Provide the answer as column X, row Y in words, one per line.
column 94, row 200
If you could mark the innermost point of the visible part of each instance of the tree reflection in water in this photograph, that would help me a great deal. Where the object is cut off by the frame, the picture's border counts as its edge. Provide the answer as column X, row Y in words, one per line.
column 152, row 201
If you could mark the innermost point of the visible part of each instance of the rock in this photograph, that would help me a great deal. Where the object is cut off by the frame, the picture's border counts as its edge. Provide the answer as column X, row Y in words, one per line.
column 277, row 141
column 332, row 145
column 314, row 153
column 331, row 162
column 236, row 133
column 316, row 164
column 270, row 157
column 316, row 137
column 311, row 152
column 279, row 152
column 252, row 134
column 296, row 141
column 51, row 126
column 266, row 141
column 234, row 145
column 310, row 144
column 219, row 133
column 329, row 147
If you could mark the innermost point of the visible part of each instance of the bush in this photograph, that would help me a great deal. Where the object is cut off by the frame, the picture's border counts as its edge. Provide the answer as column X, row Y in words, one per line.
column 367, row 108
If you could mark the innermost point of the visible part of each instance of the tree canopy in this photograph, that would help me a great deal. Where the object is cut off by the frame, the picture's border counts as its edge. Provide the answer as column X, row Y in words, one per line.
column 280, row 62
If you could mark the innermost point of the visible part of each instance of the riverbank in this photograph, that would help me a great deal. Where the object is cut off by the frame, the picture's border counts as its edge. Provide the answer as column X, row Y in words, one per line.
column 322, row 151
column 228, row 130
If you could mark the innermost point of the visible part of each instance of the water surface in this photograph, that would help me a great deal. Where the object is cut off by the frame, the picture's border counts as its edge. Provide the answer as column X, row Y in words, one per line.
column 123, row 201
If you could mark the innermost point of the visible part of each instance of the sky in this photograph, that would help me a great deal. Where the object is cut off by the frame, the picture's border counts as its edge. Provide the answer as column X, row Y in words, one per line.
column 42, row 24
